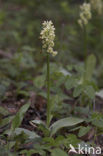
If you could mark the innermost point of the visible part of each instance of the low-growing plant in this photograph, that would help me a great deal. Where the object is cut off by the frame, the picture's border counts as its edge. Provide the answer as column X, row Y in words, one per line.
column 67, row 90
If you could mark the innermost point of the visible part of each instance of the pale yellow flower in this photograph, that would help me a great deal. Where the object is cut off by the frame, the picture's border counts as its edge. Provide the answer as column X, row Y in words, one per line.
column 85, row 14
column 48, row 35
column 97, row 5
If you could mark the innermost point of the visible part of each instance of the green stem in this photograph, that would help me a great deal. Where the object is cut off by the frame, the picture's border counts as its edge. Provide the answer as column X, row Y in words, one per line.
column 85, row 41
column 48, row 91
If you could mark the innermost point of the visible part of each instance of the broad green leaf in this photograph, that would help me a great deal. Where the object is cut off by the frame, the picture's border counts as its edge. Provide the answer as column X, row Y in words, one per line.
column 89, row 90
column 66, row 122
column 83, row 131
column 31, row 134
column 58, row 152
column 59, row 140
column 90, row 66
column 70, row 82
column 19, row 116
column 71, row 139
column 77, row 91
column 98, row 123
column 82, row 110
column 39, row 81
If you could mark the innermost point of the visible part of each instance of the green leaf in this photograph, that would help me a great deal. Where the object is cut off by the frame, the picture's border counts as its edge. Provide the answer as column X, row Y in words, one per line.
column 98, row 123
column 82, row 110
column 89, row 90
column 31, row 134
column 83, row 131
column 19, row 116
column 39, row 81
column 6, row 121
column 70, row 82
column 3, row 111
column 58, row 152
column 66, row 122
column 41, row 126
column 77, row 91
column 90, row 66
column 71, row 139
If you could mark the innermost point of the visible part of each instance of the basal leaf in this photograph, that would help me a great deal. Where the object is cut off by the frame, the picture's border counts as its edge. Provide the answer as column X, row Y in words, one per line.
column 30, row 134
column 66, row 122
column 19, row 116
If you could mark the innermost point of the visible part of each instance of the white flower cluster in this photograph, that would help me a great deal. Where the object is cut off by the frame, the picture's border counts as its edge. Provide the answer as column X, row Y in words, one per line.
column 97, row 5
column 85, row 14
column 48, row 35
